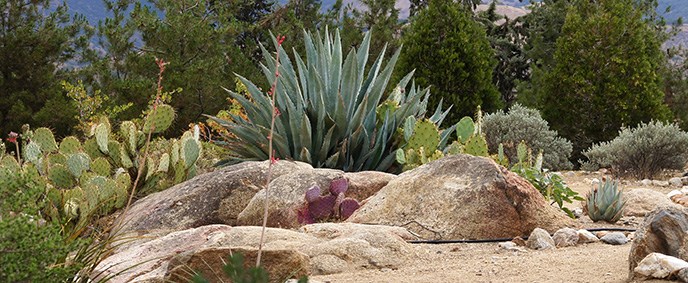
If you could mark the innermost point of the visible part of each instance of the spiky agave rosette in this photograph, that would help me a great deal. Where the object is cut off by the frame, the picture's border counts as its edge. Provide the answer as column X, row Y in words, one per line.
column 605, row 202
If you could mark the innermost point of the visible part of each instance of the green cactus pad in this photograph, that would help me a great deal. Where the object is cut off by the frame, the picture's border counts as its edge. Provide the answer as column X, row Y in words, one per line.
column 72, row 200
column 102, row 137
column 164, row 164
column 476, row 145
column 78, row 163
column 101, row 166
column 150, row 167
column 409, row 125
column 388, row 106
column 159, row 119
column 174, row 152
column 60, row 176
column 425, row 135
column 129, row 133
column 10, row 164
column 400, row 156
column 70, row 145
column 465, row 128
column 114, row 151
column 191, row 150
column 45, row 139
column 126, row 161
column 55, row 158
column 32, row 152
column 454, row 148
column 92, row 149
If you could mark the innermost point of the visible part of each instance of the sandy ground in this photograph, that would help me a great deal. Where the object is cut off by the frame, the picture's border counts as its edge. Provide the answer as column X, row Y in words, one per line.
column 485, row 262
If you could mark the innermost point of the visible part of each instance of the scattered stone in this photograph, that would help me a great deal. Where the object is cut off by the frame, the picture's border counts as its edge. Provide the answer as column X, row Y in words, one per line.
column 577, row 212
column 540, row 239
column 585, row 236
column 614, row 238
column 570, row 174
column 656, row 265
column 603, row 171
column 463, row 197
column 676, row 182
column 646, row 182
column 565, row 237
column 682, row 274
column 684, row 179
column 684, row 189
column 600, row 234
column 660, row 183
column 511, row 246
column 663, row 231
column 595, row 181
column 639, row 202
column 519, row 241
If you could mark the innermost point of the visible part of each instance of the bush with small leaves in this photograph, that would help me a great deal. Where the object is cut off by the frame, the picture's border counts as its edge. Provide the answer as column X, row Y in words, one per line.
column 643, row 151
column 524, row 124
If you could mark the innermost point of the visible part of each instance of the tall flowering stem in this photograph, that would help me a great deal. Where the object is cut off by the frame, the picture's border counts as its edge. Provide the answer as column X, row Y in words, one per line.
column 161, row 66
column 273, row 159
column 12, row 138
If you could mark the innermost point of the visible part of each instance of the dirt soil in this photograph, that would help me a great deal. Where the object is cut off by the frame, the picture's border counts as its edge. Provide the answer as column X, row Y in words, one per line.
column 485, row 262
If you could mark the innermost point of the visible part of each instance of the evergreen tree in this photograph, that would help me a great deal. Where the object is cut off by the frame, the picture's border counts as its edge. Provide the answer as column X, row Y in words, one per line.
column 37, row 44
column 450, row 52
column 606, row 73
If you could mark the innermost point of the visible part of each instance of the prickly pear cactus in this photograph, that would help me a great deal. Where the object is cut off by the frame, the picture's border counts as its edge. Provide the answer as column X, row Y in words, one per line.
column 70, row 145
column 45, row 140
column 159, row 120
column 476, row 145
column 60, row 176
column 465, row 128
column 425, row 135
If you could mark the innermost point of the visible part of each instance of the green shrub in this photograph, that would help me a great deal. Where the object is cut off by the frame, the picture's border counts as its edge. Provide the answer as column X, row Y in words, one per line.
column 525, row 124
column 642, row 152
column 331, row 111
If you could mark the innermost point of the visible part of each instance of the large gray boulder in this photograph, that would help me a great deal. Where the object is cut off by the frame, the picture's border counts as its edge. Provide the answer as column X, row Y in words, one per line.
column 326, row 248
column 462, row 197
column 197, row 202
column 664, row 231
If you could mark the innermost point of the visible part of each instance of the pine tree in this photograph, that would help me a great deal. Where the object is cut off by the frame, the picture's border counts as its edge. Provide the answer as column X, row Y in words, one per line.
column 451, row 54
column 37, row 45
column 606, row 73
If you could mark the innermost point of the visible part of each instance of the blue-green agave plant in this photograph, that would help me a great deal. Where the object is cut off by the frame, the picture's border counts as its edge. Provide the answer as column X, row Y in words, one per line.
column 328, row 108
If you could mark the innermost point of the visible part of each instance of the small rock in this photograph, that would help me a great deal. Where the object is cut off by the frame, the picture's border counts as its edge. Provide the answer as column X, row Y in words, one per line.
column 646, row 182
column 603, row 171
column 565, row 237
column 600, row 234
column 511, row 246
column 658, row 265
column 676, row 182
column 684, row 189
column 585, row 236
column 660, row 183
column 682, row 274
column 519, row 241
column 675, row 193
column 684, row 179
column 570, row 174
column 577, row 212
column 540, row 239
column 614, row 238
column 595, row 181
